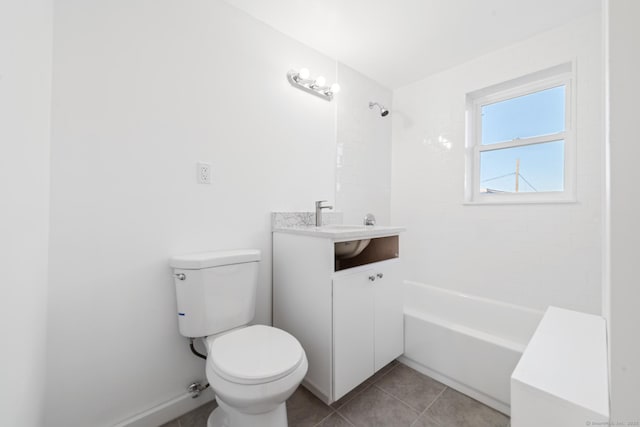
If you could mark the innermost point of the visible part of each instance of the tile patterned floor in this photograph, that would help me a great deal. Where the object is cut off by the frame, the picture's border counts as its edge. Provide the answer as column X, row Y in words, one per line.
column 396, row 396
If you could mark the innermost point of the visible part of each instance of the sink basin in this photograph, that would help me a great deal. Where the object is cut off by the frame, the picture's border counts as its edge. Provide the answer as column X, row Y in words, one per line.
column 350, row 249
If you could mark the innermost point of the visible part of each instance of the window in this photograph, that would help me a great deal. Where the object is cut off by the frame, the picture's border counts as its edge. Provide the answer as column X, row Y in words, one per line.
column 520, row 141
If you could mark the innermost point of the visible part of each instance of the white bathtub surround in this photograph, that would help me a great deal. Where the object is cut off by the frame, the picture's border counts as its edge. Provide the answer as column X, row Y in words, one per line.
column 363, row 144
column 303, row 219
column 469, row 343
column 529, row 255
column 561, row 379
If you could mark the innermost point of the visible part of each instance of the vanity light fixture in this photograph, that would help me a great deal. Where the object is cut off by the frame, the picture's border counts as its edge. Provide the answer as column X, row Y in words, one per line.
column 317, row 86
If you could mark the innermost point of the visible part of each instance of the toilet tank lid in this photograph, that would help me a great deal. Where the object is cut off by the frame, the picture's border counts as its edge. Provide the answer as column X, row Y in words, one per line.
column 214, row 259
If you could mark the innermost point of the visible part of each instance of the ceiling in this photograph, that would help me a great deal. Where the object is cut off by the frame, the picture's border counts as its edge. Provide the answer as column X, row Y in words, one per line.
column 398, row 42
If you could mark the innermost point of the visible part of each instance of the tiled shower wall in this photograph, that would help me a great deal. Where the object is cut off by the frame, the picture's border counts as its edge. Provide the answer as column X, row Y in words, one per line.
column 363, row 148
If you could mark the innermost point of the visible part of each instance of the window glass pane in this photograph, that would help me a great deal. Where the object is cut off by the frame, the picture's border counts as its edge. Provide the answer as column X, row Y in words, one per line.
column 532, row 168
column 539, row 113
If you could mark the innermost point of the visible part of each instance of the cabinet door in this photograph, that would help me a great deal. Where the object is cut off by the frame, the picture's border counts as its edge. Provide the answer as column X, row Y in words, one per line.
column 353, row 336
column 388, row 313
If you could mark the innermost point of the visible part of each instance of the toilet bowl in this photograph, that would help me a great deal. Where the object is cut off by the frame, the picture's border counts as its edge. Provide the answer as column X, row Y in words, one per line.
column 253, row 371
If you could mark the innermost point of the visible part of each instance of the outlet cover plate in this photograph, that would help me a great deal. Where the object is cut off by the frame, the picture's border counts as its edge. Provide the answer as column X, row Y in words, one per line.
column 204, row 173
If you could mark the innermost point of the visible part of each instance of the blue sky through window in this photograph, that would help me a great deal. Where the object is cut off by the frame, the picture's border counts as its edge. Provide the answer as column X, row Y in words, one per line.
column 541, row 166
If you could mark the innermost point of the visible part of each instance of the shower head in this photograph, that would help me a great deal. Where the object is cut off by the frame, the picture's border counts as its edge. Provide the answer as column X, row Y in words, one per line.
column 383, row 111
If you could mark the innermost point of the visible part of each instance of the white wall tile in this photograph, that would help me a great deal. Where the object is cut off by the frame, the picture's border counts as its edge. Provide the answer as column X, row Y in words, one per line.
column 531, row 255
column 363, row 175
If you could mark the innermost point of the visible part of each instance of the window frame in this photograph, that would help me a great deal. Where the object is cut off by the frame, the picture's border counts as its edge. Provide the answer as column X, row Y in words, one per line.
column 557, row 76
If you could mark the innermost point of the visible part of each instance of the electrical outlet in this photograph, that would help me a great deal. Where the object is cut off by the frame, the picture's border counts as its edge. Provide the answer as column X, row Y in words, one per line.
column 204, row 173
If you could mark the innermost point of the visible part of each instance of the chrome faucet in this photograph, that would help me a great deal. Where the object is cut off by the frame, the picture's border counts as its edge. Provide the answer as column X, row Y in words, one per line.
column 319, row 208
column 369, row 219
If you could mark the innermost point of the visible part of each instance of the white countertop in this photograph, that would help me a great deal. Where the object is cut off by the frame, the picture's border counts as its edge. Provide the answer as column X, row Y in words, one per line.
column 342, row 231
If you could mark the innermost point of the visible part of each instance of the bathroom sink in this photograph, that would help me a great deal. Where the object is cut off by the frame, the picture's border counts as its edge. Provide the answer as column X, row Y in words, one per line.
column 350, row 249
column 342, row 232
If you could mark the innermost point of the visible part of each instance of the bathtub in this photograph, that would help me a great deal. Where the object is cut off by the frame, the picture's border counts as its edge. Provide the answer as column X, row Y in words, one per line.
column 469, row 343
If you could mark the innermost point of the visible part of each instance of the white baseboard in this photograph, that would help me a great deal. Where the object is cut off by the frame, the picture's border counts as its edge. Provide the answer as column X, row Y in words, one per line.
column 480, row 397
column 167, row 411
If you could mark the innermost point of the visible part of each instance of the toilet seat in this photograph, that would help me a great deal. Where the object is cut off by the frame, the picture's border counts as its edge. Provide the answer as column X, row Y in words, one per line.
column 254, row 355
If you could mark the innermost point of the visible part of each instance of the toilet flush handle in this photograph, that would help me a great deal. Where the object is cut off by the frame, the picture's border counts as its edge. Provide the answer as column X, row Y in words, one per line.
column 180, row 276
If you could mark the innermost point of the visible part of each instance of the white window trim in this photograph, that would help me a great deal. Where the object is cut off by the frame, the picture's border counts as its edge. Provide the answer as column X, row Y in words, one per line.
column 516, row 88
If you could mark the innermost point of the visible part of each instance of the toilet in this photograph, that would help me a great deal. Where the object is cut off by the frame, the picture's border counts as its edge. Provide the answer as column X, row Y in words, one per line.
column 252, row 370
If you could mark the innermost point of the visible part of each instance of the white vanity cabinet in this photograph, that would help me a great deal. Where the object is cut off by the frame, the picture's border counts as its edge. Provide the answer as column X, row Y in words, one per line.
column 349, row 321
column 367, row 323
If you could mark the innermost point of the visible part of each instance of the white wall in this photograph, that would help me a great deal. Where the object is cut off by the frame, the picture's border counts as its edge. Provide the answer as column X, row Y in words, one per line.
column 25, row 96
column 142, row 91
column 532, row 255
column 363, row 174
column 623, row 64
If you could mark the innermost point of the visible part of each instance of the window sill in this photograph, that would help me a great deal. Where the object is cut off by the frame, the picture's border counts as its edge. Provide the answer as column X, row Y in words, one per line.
column 521, row 201
column 540, row 198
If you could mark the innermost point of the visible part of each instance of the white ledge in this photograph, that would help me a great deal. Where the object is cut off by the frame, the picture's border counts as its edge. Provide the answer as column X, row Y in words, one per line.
column 566, row 360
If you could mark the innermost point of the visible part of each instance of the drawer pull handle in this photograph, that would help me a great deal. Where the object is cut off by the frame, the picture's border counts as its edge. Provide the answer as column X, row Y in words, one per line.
column 380, row 275
column 372, row 278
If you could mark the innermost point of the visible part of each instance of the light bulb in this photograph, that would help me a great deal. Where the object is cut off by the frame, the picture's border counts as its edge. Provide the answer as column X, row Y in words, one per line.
column 304, row 73
column 335, row 88
column 320, row 81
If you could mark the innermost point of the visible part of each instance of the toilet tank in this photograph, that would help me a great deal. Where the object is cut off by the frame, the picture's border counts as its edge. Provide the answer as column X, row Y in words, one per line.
column 216, row 291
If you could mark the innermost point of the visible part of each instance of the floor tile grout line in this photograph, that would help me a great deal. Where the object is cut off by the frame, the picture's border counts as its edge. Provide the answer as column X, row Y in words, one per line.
column 411, row 406
column 383, row 375
column 430, row 405
column 345, row 418
column 350, row 400
column 333, row 411
column 353, row 397
column 408, row 404
column 366, row 388
column 398, row 399
column 373, row 384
